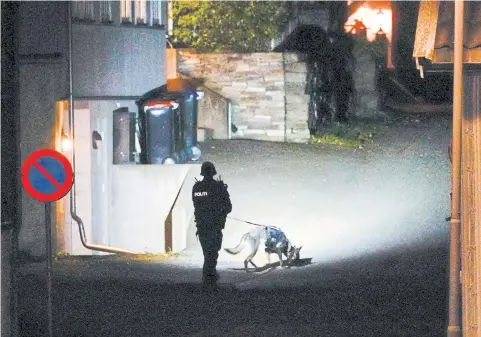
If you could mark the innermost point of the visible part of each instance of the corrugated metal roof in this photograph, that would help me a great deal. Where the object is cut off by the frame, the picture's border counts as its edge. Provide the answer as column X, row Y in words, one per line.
column 435, row 32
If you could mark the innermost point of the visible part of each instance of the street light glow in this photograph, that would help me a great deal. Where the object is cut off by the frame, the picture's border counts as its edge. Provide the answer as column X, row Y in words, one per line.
column 65, row 142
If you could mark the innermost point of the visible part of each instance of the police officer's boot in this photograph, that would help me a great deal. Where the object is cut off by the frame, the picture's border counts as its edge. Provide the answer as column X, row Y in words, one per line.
column 210, row 284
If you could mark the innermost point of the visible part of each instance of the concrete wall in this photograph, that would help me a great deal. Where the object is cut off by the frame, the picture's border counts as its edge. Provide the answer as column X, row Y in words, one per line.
column 43, row 27
column 6, row 281
column 37, row 111
column 117, row 61
column 258, row 86
column 43, row 80
column 140, row 211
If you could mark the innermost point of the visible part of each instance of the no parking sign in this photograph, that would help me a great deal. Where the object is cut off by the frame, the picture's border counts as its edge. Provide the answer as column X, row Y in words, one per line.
column 47, row 176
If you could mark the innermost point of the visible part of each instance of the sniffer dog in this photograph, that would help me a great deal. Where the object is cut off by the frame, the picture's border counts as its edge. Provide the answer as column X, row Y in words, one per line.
column 253, row 239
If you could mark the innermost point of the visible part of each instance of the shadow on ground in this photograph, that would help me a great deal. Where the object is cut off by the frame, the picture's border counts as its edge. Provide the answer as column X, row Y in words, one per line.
column 403, row 294
column 272, row 266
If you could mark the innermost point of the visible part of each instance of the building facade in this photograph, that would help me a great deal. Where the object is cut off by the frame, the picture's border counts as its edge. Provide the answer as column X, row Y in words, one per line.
column 97, row 55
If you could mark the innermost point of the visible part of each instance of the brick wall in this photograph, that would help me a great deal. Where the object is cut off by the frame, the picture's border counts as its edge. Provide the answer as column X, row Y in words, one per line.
column 268, row 102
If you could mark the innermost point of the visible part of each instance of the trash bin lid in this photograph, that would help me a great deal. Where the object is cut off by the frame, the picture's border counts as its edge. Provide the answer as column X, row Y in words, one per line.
column 163, row 92
column 158, row 92
column 160, row 103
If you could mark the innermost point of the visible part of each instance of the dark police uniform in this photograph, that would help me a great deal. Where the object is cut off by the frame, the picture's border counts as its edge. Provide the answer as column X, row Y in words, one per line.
column 211, row 206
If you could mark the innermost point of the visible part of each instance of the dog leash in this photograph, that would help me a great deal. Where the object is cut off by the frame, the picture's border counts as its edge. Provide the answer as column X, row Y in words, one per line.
column 250, row 223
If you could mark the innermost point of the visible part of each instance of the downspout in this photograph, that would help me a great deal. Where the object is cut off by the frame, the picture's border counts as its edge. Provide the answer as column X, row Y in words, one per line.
column 285, row 95
column 454, row 328
column 71, row 125
column 17, row 222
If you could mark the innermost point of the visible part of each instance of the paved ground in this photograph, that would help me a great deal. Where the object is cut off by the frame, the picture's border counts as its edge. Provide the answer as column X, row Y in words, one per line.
column 371, row 224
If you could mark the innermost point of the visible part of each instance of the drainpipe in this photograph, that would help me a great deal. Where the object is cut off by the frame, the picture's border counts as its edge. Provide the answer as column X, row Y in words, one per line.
column 454, row 328
column 73, row 214
column 285, row 95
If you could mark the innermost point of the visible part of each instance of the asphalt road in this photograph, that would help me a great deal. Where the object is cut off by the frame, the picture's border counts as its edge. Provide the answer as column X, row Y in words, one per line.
column 374, row 246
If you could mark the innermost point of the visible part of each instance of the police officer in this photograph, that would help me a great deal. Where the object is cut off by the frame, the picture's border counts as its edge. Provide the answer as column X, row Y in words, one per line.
column 211, row 206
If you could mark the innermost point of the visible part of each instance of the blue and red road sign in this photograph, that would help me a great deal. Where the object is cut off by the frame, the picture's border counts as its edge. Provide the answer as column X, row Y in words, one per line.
column 47, row 175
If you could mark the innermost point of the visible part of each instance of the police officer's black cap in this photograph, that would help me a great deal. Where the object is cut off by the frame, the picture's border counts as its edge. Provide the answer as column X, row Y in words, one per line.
column 208, row 169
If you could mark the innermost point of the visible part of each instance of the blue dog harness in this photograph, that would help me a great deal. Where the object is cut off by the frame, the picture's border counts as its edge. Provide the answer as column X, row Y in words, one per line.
column 275, row 237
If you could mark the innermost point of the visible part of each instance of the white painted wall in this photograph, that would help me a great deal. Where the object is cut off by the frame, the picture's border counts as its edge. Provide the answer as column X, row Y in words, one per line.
column 123, row 206
column 83, row 177
column 142, row 197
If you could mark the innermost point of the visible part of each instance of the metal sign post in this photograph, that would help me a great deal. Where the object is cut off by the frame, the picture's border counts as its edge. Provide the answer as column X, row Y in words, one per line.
column 48, row 240
column 47, row 176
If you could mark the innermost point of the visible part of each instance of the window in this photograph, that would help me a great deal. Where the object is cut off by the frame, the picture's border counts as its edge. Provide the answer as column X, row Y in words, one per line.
column 83, row 11
column 106, row 11
column 141, row 12
column 156, row 13
column 126, row 11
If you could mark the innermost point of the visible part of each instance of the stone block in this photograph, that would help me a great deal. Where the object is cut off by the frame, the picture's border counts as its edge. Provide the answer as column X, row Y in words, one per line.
column 276, row 78
column 270, row 56
column 262, row 118
column 253, row 77
column 233, row 57
column 256, row 123
column 296, row 67
column 274, row 88
column 295, row 88
column 275, row 95
column 295, row 77
column 291, row 57
column 256, row 84
column 296, row 117
column 239, row 84
column 294, row 99
column 255, row 89
column 275, row 133
column 254, row 132
column 248, row 95
column 232, row 90
column 243, row 67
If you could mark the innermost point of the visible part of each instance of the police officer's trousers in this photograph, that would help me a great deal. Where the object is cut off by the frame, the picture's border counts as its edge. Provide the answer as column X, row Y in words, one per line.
column 211, row 242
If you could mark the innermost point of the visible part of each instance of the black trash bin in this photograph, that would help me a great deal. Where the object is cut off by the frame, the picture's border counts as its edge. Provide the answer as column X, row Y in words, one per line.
column 168, row 126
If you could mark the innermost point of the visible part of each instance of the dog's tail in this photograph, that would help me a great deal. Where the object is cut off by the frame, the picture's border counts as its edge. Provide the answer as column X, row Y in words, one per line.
column 237, row 249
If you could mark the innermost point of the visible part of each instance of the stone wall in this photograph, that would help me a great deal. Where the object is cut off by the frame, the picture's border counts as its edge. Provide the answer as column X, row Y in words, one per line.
column 268, row 102
column 296, row 99
column 366, row 96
